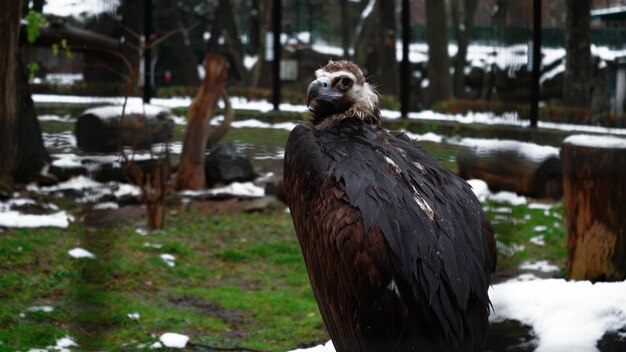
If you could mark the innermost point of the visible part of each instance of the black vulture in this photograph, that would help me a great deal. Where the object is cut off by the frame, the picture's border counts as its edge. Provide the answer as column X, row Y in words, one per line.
column 398, row 249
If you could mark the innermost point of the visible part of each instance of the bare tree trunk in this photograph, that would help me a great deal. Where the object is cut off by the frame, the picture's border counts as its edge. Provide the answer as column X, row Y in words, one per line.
column 233, row 48
column 388, row 72
column 264, row 12
column 191, row 173
column 345, row 28
column 22, row 153
column 462, row 29
column 184, row 62
column 133, row 20
column 364, row 47
column 254, row 25
column 577, row 77
column 9, row 93
column 440, row 81
column 500, row 16
column 31, row 152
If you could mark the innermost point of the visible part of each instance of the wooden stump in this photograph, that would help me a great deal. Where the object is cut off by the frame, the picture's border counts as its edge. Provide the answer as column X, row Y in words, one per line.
column 594, row 196
column 524, row 168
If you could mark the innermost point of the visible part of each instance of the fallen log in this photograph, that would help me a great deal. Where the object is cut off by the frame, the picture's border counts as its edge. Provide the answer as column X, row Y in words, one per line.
column 594, row 194
column 99, row 129
column 78, row 39
column 524, row 168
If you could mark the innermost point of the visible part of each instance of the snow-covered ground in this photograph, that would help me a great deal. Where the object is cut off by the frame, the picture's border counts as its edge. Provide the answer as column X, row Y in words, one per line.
column 564, row 315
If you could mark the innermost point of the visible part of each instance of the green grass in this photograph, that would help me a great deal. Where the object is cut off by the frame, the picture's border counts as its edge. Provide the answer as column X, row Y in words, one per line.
column 516, row 225
column 239, row 279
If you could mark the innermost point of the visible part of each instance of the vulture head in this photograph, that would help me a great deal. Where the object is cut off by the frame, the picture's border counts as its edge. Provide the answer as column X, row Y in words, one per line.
column 340, row 91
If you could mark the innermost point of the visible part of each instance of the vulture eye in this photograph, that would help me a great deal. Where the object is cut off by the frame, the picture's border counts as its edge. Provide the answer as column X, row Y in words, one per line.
column 344, row 83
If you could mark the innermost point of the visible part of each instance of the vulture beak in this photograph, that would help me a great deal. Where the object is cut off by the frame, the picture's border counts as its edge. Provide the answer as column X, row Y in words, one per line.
column 320, row 90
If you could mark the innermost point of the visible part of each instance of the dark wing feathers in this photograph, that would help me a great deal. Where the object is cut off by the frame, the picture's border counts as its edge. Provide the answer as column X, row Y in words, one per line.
column 439, row 244
column 448, row 251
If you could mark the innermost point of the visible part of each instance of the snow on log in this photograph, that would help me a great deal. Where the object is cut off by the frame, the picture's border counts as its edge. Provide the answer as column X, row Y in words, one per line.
column 594, row 191
column 524, row 168
column 98, row 129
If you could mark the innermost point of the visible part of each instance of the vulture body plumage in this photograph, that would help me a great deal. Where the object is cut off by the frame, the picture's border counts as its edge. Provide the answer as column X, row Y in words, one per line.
column 398, row 250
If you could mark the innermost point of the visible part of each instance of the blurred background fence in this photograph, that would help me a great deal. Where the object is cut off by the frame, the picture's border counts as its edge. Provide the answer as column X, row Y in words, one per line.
column 497, row 75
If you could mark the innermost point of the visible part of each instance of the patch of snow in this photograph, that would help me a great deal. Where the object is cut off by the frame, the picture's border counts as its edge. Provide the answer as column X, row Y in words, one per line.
column 327, row 347
column 509, row 250
column 64, row 141
column 503, row 210
column 62, row 345
column 480, row 189
column 507, row 197
column 141, row 231
column 250, row 123
column 106, row 205
column 540, row 228
column 78, row 183
column 543, row 206
column 482, row 193
column 66, row 118
column 530, row 150
column 81, row 253
column 66, row 342
column 169, row 259
column 17, row 219
column 538, row 240
column 133, row 316
column 79, row 8
column 107, row 112
column 45, row 309
column 542, row 265
column 565, row 315
column 152, row 245
column 65, row 161
column 64, row 79
column 596, row 141
column 244, row 189
column 125, row 189
column 250, row 61
column 174, row 340
column 156, row 345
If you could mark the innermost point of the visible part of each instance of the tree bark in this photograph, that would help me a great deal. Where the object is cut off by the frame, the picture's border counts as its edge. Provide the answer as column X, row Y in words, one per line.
column 264, row 20
column 388, row 68
column 463, row 26
column 184, row 67
column 345, row 28
column 191, row 173
column 22, row 153
column 9, row 94
column 440, row 81
column 31, row 152
column 594, row 189
column 254, row 24
column 506, row 165
column 365, row 54
column 577, row 77
column 233, row 48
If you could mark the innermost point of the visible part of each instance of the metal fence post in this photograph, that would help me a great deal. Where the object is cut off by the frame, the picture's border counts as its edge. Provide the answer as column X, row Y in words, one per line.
column 535, row 93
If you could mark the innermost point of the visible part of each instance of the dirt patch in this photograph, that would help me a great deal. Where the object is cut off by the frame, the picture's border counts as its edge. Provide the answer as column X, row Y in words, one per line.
column 231, row 316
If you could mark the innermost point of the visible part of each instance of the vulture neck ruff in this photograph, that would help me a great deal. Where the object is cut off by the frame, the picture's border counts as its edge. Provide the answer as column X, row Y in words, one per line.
column 360, row 101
